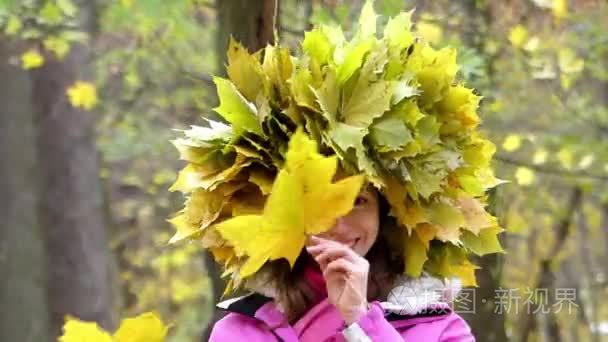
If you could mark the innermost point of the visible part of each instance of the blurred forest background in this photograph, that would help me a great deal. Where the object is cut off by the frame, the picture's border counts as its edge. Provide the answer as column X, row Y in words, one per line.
column 90, row 91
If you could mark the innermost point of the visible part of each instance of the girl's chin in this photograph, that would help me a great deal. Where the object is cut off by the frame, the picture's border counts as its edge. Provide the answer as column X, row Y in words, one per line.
column 359, row 247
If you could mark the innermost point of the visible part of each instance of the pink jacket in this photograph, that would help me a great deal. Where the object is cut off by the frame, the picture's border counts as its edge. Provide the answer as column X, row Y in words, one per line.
column 255, row 318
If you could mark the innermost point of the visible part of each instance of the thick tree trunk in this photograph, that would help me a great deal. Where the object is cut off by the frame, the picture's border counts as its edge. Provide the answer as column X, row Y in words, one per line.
column 72, row 208
column 251, row 23
column 546, row 278
column 23, row 286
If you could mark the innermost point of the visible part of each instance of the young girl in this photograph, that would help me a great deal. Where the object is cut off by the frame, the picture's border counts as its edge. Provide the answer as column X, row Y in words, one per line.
column 389, row 108
column 346, row 286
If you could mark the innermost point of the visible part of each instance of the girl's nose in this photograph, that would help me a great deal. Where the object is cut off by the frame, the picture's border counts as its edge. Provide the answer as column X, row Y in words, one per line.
column 340, row 228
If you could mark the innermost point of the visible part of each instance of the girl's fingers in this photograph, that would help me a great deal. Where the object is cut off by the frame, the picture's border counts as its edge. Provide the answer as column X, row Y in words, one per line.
column 314, row 240
column 341, row 265
column 333, row 253
column 318, row 245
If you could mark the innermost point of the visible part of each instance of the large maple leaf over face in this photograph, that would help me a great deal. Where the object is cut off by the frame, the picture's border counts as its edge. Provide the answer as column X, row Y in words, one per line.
column 304, row 200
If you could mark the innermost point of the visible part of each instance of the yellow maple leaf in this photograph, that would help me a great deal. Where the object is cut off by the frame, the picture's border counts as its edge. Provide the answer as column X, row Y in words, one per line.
column 147, row 327
column 75, row 330
column 466, row 273
column 32, row 59
column 202, row 208
column 82, row 95
column 296, row 207
column 416, row 247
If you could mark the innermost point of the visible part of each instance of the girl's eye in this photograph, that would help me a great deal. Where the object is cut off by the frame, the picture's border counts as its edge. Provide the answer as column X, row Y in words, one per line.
column 360, row 200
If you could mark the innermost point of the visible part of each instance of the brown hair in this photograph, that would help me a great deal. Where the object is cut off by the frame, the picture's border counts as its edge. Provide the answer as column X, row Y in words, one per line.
column 386, row 263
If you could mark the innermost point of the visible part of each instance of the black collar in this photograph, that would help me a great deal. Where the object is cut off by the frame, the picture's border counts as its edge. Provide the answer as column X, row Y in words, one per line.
column 246, row 305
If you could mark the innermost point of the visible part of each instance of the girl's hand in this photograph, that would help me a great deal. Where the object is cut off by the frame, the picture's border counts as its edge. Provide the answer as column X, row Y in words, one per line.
column 345, row 274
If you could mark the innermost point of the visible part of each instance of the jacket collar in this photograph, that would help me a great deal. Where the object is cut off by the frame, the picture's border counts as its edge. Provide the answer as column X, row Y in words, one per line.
column 420, row 297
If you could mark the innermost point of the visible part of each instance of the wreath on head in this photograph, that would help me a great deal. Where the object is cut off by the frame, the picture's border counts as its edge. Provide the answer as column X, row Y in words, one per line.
column 385, row 106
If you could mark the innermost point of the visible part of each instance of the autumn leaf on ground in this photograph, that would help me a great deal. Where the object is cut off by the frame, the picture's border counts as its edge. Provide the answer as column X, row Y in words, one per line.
column 297, row 206
column 82, row 95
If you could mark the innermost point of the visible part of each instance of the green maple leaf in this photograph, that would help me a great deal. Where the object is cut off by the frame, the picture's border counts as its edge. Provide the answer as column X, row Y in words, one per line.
column 235, row 108
column 317, row 45
column 397, row 30
column 328, row 97
column 389, row 133
column 244, row 70
column 485, row 242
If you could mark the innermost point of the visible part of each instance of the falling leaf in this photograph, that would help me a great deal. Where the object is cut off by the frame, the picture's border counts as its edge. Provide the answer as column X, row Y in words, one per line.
column 82, row 95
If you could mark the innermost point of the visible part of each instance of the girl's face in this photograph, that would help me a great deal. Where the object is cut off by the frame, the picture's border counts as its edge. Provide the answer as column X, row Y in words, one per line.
column 359, row 228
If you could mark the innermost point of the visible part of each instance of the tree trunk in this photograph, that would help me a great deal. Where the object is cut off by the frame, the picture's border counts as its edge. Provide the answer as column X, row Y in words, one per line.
column 251, row 23
column 72, row 208
column 22, row 264
column 546, row 278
